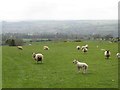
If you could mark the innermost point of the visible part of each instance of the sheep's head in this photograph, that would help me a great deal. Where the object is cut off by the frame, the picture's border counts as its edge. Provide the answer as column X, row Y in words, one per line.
column 33, row 55
column 75, row 61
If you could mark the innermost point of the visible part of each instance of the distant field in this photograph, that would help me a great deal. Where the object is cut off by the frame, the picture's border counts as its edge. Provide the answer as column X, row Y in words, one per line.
column 58, row 71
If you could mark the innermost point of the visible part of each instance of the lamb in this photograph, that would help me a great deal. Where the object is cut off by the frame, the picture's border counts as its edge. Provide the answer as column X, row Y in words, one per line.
column 46, row 48
column 78, row 47
column 81, row 65
column 118, row 55
column 37, row 57
column 107, row 54
column 20, row 47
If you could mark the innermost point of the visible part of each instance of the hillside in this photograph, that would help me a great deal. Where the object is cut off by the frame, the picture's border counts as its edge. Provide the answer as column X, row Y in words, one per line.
column 84, row 27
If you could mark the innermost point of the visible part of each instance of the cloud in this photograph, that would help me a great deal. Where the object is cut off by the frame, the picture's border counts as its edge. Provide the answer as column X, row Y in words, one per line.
column 58, row 9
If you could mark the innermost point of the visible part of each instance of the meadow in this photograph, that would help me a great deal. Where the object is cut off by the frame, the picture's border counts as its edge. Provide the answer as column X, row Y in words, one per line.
column 19, row 70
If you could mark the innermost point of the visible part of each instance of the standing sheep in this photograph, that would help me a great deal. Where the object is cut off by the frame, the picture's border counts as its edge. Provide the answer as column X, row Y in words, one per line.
column 46, row 48
column 107, row 54
column 78, row 47
column 37, row 57
column 20, row 47
column 81, row 65
column 118, row 55
column 84, row 49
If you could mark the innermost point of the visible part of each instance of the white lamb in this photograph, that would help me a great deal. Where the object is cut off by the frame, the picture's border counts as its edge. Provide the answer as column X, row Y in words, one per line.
column 46, row 48
column 37, row 57
column 107, row 54
column 78, row 47
column 81, row 65
column 118, row 55
column 20, row 47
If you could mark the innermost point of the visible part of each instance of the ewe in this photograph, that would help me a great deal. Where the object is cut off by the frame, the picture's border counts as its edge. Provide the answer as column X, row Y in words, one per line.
column 107, row 54
column 78, row 47
column 84, row 49
column 46, row 48
column 118, row 55
column 20, row 47
column 37, row 57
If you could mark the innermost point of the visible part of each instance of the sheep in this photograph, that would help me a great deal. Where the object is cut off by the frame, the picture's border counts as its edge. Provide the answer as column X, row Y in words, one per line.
column 78, row 47
column 102, row 49
column 46, row 48
column 86, row 46
column 20, row 47
column 118, row 55
column 107, row 54
column 80, row 65
column 37, row 57
column 84, row 49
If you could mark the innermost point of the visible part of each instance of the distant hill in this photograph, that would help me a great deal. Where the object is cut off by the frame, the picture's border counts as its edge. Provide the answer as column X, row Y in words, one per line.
column 84, row 27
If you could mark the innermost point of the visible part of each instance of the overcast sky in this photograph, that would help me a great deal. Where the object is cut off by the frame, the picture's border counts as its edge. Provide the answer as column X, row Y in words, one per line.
column 18, row 10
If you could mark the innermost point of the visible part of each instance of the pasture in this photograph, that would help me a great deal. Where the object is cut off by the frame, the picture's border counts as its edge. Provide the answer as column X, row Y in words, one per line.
column 57, row 71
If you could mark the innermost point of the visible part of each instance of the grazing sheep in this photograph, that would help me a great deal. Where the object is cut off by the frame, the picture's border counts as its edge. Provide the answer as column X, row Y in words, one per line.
column 118, row 55
column 81, row 65
column 107, row 54
column 46, row 48
column 37, row 57
column 20, row 47
column 102, row 49
column 110, row 42
column 78, row 47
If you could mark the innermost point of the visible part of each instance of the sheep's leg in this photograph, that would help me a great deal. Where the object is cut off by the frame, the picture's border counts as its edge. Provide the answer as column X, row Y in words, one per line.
column 78, row 69
column 41, row 61
column 85, row 69
column 37, row 61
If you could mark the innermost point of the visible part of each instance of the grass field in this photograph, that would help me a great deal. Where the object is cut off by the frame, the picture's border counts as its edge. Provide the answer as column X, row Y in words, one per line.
column 58, row 71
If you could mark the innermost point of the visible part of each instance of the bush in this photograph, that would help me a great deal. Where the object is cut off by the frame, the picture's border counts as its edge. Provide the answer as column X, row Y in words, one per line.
column 77, row 40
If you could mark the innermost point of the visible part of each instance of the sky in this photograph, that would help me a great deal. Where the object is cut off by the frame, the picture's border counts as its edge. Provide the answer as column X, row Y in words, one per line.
column 20, row 10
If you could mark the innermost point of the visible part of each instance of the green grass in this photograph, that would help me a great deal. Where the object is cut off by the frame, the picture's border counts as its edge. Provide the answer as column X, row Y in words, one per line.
column 58, row 71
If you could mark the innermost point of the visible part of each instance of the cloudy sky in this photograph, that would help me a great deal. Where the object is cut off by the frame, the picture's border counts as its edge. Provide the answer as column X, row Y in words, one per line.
column 17, row 10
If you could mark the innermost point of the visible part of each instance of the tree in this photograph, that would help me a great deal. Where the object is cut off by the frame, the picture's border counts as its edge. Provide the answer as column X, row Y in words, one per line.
column 10, row 42
column 108, row 37
column 14, row 42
